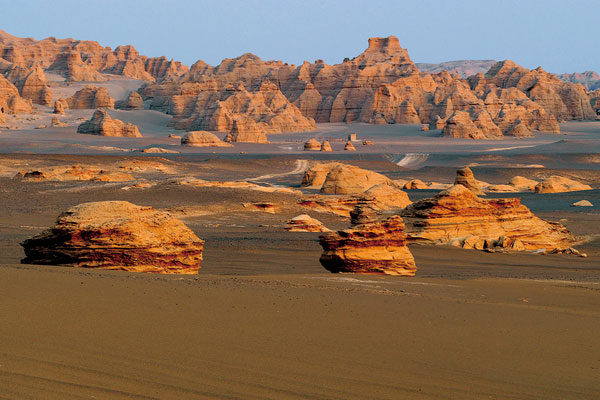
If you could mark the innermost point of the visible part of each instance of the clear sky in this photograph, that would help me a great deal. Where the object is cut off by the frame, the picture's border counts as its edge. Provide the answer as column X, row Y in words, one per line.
column 560, row 36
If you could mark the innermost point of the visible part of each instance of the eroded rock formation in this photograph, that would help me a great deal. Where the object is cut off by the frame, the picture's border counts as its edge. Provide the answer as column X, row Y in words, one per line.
column 117, row 235
column 305, row 223
column 370, row 248
column 202, row 139
column 348, row 179
column 458, row 215
column 102, row 124
column 559, row 184
column 465, row 177
column 91, row 97
column 134, row 102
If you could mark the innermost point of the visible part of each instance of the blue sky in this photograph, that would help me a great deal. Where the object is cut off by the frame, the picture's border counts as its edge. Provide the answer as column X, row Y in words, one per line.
column 560, row 36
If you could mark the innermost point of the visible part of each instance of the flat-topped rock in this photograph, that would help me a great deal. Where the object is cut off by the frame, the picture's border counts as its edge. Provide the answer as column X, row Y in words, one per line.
column 305, row 223
column 348, row 179
column 560, row 184
column 117, row 235
column 102, row 124
column 370, row 248
column 457, row 213
column 203, row 139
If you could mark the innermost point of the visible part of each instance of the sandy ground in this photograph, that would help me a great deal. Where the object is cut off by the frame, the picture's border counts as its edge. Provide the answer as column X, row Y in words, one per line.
column 263, row 319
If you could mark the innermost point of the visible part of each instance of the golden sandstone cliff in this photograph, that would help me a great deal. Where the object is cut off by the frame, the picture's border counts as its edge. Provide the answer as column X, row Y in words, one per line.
column 117, row 235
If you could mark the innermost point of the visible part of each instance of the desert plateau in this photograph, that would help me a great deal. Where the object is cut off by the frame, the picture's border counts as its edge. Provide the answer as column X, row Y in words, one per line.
column 368, row 228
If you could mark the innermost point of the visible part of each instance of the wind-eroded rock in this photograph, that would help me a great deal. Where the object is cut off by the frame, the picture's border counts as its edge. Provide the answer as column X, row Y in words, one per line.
column 560, row 184
column 117, row 235
column 466, row 178
column 305, row 223
column 370, row 248
column 348, row 179
column 75, row 173
column 102, row 124
column 91, row 97
column 457, row 213
column 203, row 139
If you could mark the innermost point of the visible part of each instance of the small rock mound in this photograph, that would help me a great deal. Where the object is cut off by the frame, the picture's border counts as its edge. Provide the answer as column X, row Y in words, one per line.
column 102, row 124
column 559, row 184
column 415, row 184
column 582, row 203
column 326, row 146
column 134, row 102
column 370, row 248
column 203, row 139
column 117, row 235
column 312, row 145
column 349, row 146
column 305, row 223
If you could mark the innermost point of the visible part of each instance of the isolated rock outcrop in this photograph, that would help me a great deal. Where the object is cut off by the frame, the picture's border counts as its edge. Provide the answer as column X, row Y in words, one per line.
column 91, row 97
column 415, row 184
column 326, row 146
column 305, row 223
column 34, row 87
column 457, row 214
column 349, row 146
column 348, row 179
column 245, row 130
column 75, row 173
column 60, row 106
column 203, row 139
column 312, row 144
column 102, row 124
column 560, row 184
column 10, row 100
column 117, row 235
column 370, row 248
column 465, row 177
column 582, row 203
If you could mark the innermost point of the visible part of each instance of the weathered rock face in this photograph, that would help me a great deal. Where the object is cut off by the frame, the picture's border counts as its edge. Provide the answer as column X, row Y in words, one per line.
column 465, row 177
column 348, row 179
column 102, row 124
column 589, row 79
column 35, row 87
column 305, row 223
column 10, row 100
column 559, row 184
column 134, row 102
column 245, row 130
column 415, row 184
column 457, row 214
column 595, row 101
column 60, row 105
column 314, row 177
column 370, row 248
column 79, row 60
column 117, row 235
column 91, row 97
column 202, row 139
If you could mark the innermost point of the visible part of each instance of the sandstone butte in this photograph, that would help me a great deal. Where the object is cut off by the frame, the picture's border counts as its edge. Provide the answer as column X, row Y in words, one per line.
column 117, row 235
column 559, row 184
column 102, row 124
column 371, row 248
column 202, row 139
column 381, row 86
column 457, row 216
column 326, row 146
column 305, row 223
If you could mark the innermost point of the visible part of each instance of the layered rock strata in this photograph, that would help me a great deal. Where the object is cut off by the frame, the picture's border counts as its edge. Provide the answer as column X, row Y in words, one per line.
column 370, row 248
column 117, row 235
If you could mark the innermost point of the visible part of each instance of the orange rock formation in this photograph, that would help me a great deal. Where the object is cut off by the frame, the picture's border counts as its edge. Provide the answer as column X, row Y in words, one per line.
column 102, row 124
column 117, row 235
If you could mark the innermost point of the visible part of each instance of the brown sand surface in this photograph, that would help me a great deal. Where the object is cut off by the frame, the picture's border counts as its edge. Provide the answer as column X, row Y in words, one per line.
column 97, row 334
column 263, row 320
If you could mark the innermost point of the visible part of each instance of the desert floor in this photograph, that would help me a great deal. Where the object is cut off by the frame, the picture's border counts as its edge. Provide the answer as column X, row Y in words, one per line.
column 263, row 319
